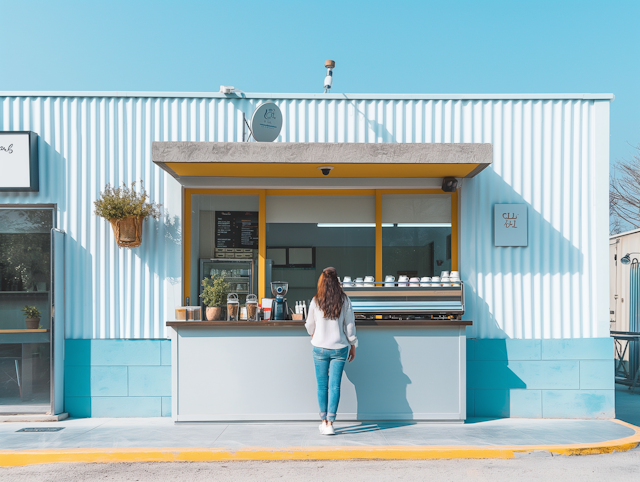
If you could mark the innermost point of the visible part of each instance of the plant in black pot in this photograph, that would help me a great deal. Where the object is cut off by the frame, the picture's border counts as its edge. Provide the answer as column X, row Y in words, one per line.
column 32, row 315
column 214, row 296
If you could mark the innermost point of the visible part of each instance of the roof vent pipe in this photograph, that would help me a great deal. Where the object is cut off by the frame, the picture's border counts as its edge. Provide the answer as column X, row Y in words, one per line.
column 328, row 80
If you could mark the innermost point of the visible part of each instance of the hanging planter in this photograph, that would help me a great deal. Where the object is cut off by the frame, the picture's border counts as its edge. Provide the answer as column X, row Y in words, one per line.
column 126, row 209
column 128, row 231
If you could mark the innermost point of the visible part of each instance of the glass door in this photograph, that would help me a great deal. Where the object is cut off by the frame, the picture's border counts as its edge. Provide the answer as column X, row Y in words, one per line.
column 25, row 309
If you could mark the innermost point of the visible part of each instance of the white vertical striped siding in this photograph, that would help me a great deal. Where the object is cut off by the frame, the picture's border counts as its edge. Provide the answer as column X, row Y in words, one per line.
column 543, row 156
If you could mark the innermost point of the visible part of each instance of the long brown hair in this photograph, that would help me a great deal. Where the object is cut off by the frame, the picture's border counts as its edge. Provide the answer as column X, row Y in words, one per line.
column 330, row 296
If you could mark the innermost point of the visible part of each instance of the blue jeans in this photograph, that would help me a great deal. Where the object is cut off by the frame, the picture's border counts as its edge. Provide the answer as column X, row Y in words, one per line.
column 329, row 365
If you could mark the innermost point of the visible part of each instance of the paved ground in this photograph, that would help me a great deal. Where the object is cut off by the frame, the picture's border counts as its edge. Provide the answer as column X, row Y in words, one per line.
column 82, row 434
column 597, row 468
column 162, row 432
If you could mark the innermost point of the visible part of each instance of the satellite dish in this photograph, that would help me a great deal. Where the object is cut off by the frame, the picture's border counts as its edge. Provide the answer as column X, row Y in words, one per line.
column 266, row 122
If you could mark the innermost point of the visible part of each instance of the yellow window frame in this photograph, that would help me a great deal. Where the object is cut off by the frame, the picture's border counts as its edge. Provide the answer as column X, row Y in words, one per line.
column 262, row 223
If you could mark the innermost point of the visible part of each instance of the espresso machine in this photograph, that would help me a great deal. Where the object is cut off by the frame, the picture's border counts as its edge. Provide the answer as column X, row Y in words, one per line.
column 279, row 309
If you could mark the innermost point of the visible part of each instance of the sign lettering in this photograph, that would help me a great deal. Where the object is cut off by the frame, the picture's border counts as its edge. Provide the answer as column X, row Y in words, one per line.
column 510, row 225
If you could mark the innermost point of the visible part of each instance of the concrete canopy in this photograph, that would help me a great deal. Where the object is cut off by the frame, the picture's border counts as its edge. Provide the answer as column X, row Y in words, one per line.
column 189, row 162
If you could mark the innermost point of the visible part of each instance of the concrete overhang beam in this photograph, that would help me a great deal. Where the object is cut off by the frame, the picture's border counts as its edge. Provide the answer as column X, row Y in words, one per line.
column 302, row 159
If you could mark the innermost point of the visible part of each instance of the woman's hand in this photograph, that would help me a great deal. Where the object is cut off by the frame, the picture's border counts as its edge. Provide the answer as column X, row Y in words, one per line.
column 352, row 353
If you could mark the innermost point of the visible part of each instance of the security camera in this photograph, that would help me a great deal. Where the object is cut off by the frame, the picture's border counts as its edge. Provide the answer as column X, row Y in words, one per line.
column 326, row 169
column 449, row 184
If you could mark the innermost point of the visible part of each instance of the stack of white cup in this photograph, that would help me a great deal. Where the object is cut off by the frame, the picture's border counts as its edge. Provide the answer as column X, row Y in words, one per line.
column 455, row 278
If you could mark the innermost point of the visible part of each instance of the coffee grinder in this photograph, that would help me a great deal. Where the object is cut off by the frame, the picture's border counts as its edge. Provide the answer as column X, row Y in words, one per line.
column 279, row 308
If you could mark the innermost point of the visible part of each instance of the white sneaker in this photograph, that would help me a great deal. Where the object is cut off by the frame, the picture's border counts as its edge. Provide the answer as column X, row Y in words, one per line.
column 328, row 430
column 322, row 426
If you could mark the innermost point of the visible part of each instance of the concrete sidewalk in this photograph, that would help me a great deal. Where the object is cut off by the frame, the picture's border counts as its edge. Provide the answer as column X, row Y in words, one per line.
column 159, row 439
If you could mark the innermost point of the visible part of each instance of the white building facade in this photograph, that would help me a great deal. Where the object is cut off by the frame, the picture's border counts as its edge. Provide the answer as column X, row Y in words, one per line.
column 539, row 345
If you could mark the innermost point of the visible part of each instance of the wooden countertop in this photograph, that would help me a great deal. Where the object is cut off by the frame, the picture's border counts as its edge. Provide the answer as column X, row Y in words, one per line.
column 183, row 324
column 24, row 330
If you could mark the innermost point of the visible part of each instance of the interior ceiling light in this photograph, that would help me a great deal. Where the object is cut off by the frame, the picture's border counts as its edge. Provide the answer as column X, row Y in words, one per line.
column 424, row 225
column 352, row 225
column 384, row 225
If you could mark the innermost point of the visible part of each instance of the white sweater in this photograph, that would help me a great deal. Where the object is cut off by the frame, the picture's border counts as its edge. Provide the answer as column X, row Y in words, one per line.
column 332, row 334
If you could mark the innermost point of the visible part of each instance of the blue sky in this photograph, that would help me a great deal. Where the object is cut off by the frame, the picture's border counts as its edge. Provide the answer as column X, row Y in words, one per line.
column 452, row 46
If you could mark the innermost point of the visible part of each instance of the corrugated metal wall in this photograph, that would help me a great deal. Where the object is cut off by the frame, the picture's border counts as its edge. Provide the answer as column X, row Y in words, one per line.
column 544, row 155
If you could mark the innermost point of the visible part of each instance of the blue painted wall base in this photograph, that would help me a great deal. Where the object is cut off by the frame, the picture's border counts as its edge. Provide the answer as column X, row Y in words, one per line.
column 118, row 378
column 570, row 378
column 567, row 378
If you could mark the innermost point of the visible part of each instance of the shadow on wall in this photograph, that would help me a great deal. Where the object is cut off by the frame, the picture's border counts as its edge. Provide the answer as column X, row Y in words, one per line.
column 500, row 303
column 79, row 305
column 490, row 381
column 53, row 167
column 379, row 380
column 165, row 235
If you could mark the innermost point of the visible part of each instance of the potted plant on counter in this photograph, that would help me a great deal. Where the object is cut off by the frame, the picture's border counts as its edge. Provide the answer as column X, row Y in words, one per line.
column 214, row 296
column 125, row 209
column 32, row 315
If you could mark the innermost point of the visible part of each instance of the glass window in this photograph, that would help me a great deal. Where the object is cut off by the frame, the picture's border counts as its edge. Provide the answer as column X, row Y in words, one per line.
column 224, row 241
column 25, row 279
column 416, row 234
column 305, row 234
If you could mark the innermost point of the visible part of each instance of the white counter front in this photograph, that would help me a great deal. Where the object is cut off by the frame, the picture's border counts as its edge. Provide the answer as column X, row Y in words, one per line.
column 265, row 372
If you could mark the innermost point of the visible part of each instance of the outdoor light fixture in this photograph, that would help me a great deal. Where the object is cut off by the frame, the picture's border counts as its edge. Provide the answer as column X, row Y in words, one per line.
column 328, row 80
column 229, row 89
column 449, row 184
column 626, row 259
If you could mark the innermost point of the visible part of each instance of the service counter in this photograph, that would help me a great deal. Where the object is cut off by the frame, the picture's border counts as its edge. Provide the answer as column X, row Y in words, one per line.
column 263, row 371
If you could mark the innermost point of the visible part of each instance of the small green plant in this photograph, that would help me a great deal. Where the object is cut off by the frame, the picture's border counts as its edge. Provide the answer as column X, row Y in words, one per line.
column 215, row 291
column 31, row 312
column 122, row 202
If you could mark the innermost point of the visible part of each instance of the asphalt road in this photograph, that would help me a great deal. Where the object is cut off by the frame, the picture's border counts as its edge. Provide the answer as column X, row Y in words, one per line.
column 622, row 466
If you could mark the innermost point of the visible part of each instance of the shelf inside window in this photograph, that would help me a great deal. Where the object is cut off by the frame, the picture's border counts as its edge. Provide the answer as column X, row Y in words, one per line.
column 24, row 292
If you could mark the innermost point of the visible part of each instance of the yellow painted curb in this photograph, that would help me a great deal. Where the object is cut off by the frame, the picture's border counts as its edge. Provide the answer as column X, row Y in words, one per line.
column 11, row 458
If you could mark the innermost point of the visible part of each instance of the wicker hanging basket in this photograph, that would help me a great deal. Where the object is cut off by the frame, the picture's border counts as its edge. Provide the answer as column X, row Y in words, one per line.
column 128, row 231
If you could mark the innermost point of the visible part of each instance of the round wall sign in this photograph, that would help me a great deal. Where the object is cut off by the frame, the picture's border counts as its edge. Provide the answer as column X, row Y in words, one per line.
column 266, row 122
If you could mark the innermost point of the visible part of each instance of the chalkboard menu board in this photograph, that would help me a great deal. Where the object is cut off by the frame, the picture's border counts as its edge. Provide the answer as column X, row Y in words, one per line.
column 236, row 229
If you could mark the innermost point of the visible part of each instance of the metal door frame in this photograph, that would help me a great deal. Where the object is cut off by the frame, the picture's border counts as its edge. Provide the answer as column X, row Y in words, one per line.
column 54, row 214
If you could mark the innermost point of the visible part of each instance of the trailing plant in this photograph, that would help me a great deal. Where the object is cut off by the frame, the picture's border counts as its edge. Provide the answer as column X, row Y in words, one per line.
column 31, row 312
column 122, row 202
column 215, row 291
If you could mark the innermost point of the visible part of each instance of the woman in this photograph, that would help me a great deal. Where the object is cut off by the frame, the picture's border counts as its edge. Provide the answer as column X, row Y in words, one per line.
column 332, row 327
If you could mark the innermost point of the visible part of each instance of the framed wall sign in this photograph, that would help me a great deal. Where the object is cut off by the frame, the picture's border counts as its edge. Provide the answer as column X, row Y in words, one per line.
column 510, row 225
column 19, row 161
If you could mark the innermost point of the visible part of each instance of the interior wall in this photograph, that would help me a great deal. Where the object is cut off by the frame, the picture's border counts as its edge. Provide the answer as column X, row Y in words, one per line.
column 416, row 208
column 203, row 223
column 321, row 209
